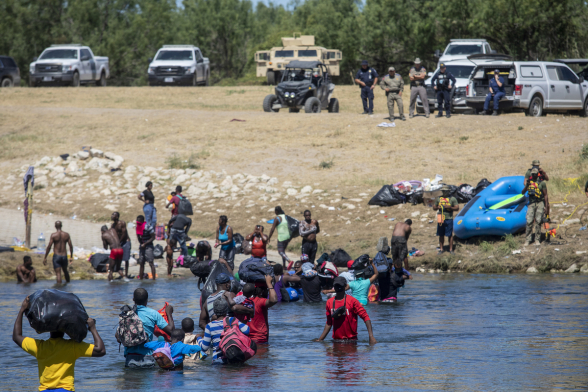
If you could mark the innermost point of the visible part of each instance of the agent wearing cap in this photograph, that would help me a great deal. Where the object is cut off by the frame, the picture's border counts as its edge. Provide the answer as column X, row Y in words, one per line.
column 367, row 78
column 342, row 312
column 443, row 82
column 496, row 87
column 538, row 204
column 542, row 176
column 445, row 206
column 393, row 84
column 417, row 75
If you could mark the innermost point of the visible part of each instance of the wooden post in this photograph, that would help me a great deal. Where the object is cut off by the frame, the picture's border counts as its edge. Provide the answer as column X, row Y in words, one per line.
column 29, row 213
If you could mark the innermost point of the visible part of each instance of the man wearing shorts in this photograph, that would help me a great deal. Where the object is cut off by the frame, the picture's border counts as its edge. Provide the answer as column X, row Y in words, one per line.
column 59, row 240
column 445, row 206
column 110, row 239
column 125, row 241
column 145, row 236
column 309, row 228
column 400, row 235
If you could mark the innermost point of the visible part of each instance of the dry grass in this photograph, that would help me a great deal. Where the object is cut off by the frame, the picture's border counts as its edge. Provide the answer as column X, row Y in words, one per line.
column 148, row 125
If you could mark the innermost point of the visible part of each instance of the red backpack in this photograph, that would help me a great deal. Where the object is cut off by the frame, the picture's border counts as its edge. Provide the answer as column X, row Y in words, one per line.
column 234, row 344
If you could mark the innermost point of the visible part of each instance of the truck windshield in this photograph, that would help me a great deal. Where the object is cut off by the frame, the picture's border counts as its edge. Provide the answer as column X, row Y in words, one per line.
column 284, row 53
column 307, row 53
column 460, row 71
column 298, row 74
column 59, row 54
column 175, row 55
column 455, row 50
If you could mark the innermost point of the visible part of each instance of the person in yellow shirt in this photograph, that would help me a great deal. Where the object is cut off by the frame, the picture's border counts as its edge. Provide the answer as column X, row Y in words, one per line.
column 56, row 357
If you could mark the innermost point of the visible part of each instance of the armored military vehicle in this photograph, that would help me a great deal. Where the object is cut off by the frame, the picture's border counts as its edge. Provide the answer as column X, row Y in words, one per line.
column 271, row 63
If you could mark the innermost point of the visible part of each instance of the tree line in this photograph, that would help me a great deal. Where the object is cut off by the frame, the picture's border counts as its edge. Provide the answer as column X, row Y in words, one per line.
column 384, row 32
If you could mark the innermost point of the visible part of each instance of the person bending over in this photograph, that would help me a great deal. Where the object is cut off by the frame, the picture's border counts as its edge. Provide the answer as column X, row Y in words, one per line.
column 25, row 273
column 342, row 312
column 400, row 235
column 56, row 357
column 203, row 251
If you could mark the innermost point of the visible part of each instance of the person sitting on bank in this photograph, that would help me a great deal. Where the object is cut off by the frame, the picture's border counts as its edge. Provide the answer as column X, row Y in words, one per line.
column 538, row 205
column 496, row 87
column 342, row 312
column 445, row 207
column 25, row 273
column 177, row 348
column 140, row 356
column 56, row 357
column 541, row 174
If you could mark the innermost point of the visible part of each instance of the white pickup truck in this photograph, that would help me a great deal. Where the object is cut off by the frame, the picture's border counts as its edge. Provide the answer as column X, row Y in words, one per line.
column 68, row 65
column 460, row 49
column 179, row 65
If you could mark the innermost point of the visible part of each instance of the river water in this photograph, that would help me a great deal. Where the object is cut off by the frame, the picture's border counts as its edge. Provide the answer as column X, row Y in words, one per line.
column 447, row 332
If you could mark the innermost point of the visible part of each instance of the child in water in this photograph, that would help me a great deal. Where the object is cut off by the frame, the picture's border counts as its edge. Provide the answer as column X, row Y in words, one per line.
column 245, row 298
column 190, row 337
column 170, row 356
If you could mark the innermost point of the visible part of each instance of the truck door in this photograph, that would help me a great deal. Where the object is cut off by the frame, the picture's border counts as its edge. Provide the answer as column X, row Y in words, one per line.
column 199, row 65
column 262, row 58
column 572, row 92
column 88, row 71
column 555, row 87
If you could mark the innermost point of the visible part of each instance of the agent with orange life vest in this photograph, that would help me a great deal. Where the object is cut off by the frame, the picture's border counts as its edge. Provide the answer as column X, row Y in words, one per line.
column 445, row 206
column 538, row 204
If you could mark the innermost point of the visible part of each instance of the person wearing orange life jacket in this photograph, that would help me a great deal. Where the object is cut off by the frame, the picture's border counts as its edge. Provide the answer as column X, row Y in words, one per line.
column 538, row 204
column 542, row 176
column 445, row 206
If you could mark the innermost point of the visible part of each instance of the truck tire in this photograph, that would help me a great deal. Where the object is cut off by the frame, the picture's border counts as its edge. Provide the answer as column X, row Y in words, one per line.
column 584, row 111
column 312, row 105
column 6, row 82
column 268, row 102
column 271, row 78
column 333, row 105
column 32, row 82
column 75, row 82
column 535, row 107
column 102, row 81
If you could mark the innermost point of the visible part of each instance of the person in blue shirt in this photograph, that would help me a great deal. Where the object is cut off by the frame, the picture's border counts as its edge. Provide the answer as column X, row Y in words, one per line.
column 496, row 93
column 359, row 287
column 140, row 356
column 177, row 348
column 367, row 78
column 443, row 82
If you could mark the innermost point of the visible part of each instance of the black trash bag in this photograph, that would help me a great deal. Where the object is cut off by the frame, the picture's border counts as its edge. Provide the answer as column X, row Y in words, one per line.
column 238, row 238
column 158, row 252
column 416, row 198
column 387, row 196
column 210, row 284
column 100, row 262
column 483, row 184
column 57, row 311
column 462, row 196
column 254, row 270
column 452, row 190
column 202, row 269
column 362, row 262
column 340, row 258
column 293, row 226
column 365, row 273
column 189, row 261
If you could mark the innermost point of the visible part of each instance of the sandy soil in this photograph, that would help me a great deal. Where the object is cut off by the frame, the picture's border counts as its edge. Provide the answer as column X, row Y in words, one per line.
column 148, row 125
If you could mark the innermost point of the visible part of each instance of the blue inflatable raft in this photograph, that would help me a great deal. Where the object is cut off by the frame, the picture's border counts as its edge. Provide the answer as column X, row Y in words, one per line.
column 499, row 209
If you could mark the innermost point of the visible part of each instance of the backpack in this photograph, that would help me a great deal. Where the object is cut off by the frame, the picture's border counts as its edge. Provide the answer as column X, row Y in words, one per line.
column 163, row 357
column 100, row 262
column 340, row 258
column 185, row 207
column 202, row 269
column 381, row 262
column 253, row 270
column 158, row 252
column 130, row 331
column 238, row 240
column 362, row 262
column 234, row 344
column 328, row 269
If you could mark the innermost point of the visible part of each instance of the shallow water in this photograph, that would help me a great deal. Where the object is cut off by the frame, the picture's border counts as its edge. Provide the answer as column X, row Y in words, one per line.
column 447, row 332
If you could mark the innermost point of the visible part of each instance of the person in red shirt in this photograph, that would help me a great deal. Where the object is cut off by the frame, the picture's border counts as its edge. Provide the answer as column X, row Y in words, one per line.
column 259, row 326
column 176, row 200
column 342, row 312
column 258, row 242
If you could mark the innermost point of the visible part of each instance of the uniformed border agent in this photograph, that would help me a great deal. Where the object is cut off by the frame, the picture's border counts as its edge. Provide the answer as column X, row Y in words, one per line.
column 538, row 205
column 442, row 82
column 417, row 75
column 367, row 78
column 393, row 84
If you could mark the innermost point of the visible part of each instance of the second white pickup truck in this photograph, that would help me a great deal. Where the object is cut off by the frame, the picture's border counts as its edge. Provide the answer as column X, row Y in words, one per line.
column 69, row 65
column 179, row 65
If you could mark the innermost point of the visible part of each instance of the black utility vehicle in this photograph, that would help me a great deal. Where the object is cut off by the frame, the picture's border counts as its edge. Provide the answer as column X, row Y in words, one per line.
column 9, row 72
column 305, row 85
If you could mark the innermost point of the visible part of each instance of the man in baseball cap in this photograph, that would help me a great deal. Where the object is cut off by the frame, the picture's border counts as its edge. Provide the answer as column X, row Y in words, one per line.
column 538, row 205
column 445, row 207
column 496, row 92
column 393, row 85
column 417, row 75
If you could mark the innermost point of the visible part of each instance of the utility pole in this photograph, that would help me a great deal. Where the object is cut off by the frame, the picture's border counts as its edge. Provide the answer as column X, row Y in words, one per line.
column 29, row 211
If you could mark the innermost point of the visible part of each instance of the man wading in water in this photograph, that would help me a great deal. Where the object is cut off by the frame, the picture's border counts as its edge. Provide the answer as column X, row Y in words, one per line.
column 59, row 240
column 125, row 241
column 110, row 239
column 309, row 228
column 400, row 235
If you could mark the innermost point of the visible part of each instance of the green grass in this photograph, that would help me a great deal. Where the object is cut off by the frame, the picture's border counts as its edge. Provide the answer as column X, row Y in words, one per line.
column 146, row 136
column 486, row 247
column 201, row 234
column 326, row 164
column 231, row 92
column 463, row 138
column 176, row 161
column 508, row 245
column 520, row 128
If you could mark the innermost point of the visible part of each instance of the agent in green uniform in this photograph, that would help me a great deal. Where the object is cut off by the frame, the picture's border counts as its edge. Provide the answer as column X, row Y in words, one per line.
column 393, row 84
column 281, row 223
column 445, row 207
column 538, row 204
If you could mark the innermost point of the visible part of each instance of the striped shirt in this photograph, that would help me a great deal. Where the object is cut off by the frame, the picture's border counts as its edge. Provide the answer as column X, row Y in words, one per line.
column 210, row 302
column 212, row 336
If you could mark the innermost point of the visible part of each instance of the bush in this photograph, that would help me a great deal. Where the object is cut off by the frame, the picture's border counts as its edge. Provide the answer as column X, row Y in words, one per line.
column 584, row 152
column 326, row 164
column 176, row 161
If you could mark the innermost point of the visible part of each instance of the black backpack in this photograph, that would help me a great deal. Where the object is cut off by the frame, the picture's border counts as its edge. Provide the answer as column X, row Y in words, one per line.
column 362, row 262
column 158, row 252
column 185, row 206
column 202, row 269
column 238, row 238
column 340, row 258
column 253, row 270
column 100, row 262
column 293, row 226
